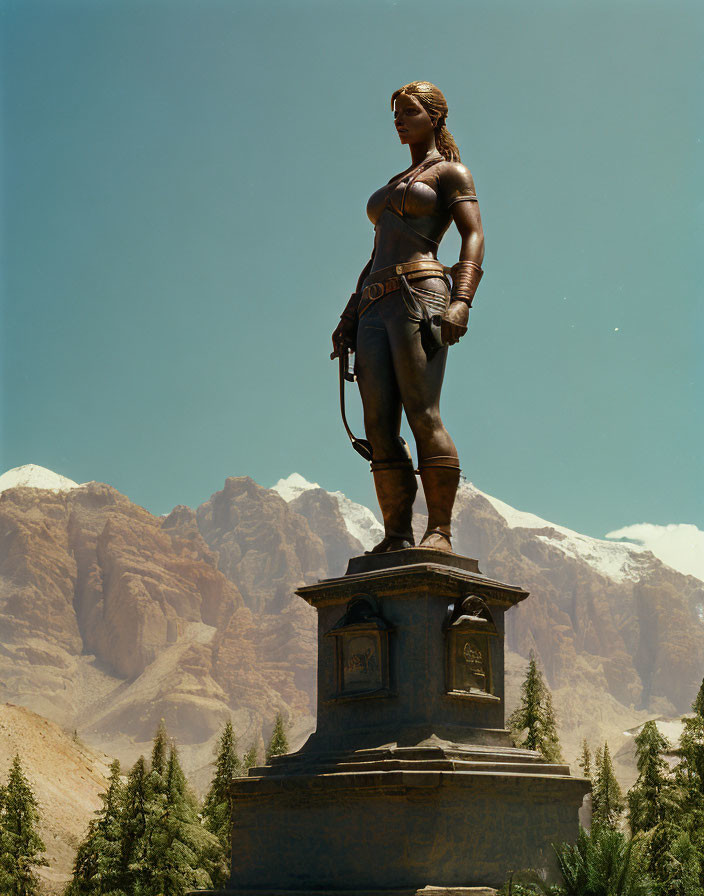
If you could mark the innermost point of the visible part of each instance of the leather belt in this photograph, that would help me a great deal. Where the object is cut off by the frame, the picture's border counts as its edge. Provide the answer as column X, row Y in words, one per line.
column 385, row 281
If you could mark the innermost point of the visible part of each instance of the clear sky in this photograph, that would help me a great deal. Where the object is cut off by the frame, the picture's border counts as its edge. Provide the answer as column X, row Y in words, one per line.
column 183, row 219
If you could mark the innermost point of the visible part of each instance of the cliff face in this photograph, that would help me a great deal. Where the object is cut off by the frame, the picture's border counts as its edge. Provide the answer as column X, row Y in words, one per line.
column 636, row 622
column 112, row 618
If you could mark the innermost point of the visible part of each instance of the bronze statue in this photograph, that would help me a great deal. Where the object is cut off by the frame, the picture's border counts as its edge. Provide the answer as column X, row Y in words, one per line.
column 404, row 314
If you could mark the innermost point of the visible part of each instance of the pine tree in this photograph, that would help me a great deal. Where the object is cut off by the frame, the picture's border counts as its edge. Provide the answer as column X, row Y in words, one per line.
column 676, row 864
column 179, row 849
column 551, row 742
column 22, row 847
column 585, row 760
column 278, row 742
column 159, row 750
column 607, row 799
column 250, row 758
column 218, row 809
column 97, row 867
column 648, row 801
column 698, row 705
column 689, row 780
column 598, row 759
column 136, row 822
column 535, row 716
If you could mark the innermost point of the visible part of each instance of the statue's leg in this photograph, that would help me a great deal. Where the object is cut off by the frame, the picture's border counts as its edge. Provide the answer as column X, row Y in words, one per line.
column 420, row 380
column 394, row 479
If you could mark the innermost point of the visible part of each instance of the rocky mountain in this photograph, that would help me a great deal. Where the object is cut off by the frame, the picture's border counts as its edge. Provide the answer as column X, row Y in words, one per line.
column 112, row 618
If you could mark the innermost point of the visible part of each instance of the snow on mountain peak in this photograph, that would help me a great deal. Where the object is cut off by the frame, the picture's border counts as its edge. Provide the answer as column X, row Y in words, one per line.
column 680, row 545
column 34, row 476
column 359, row 520
column 619, row 561
column 293, row 486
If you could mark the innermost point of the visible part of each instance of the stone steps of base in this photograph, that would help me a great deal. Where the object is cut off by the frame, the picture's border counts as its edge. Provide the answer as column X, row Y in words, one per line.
column 451, row 765
column 427, row 765
column 403, row 754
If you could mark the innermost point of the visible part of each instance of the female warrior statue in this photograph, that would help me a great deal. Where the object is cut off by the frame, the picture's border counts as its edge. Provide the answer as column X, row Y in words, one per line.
column 403, row 315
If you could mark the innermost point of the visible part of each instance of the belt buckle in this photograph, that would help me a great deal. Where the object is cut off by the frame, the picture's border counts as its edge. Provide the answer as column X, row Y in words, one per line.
column 376, row 290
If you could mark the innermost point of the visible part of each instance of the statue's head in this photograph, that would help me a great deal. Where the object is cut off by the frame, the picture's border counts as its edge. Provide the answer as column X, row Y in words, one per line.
column 434, row 103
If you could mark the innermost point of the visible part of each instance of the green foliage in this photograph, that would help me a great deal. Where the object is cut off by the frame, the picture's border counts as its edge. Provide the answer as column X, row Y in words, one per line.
column 648, row 800
column 21, row 847
column 97, row 866
column 218, row 810
column 689, row 781
column 250, row 758
column 665, row 855
column 533, row 723
column 670, row 807
column 550, row 747
column 278, row 743
column 159, row 750
column 605, row 863
column 607, row 799
column 147, row 839
column 137, row 810
column 585, row 760
column 179, row 850
column 675, row 862
column 698, row 705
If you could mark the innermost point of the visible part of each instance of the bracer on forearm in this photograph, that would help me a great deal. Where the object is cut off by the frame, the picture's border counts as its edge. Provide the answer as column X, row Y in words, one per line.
column 465, row 280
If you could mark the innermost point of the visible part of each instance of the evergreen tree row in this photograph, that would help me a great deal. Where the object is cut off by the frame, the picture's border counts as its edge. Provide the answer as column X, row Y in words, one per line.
column 151, row 837
column 664, row 854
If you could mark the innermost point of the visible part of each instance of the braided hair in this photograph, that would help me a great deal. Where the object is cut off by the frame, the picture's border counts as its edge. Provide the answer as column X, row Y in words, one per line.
column 435, row 104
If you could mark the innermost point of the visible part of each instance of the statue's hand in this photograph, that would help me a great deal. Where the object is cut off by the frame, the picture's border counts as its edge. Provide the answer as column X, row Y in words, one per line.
column 454, row 322
column 342, row 337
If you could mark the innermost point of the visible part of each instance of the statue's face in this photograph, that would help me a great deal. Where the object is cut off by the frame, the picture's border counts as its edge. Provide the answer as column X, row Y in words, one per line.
column 413, row 123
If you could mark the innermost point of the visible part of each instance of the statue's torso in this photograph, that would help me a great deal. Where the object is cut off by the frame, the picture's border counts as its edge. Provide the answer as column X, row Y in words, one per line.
column 409, row 221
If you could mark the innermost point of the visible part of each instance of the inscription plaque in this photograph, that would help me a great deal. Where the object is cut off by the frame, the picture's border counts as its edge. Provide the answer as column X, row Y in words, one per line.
column 468, row 629
column 361, row 663
column 362, row 650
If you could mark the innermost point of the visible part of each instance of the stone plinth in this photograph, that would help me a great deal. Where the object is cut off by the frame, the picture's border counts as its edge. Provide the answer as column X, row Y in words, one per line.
column 410, row 780
column 416, row 592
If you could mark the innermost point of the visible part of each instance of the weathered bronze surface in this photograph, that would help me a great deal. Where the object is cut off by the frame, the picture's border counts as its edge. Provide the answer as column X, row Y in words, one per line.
column 404, row 314
column 410, row 784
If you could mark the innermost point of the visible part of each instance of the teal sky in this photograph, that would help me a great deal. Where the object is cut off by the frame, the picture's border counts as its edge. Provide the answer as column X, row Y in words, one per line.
column 183, row 219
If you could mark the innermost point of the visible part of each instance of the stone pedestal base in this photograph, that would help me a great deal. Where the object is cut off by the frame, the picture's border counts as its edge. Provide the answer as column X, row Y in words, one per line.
column 400, row 819
column 410, row 783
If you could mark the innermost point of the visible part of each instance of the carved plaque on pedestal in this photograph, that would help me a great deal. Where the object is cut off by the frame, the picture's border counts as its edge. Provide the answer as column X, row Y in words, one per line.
column 362, row 649
column 469, row 630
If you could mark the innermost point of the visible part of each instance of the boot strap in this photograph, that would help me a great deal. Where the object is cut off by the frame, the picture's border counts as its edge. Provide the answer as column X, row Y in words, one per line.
column 446, row 461
column 391, row 465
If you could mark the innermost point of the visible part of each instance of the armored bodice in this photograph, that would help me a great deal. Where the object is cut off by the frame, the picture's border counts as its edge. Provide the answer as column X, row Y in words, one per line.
column 412, row 212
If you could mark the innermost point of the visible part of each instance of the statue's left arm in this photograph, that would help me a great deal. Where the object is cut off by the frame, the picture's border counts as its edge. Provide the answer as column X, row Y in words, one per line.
column 461, row 199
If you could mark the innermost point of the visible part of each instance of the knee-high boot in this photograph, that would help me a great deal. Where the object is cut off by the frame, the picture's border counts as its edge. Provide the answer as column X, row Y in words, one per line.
column 396, row 488
column 440, row 477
